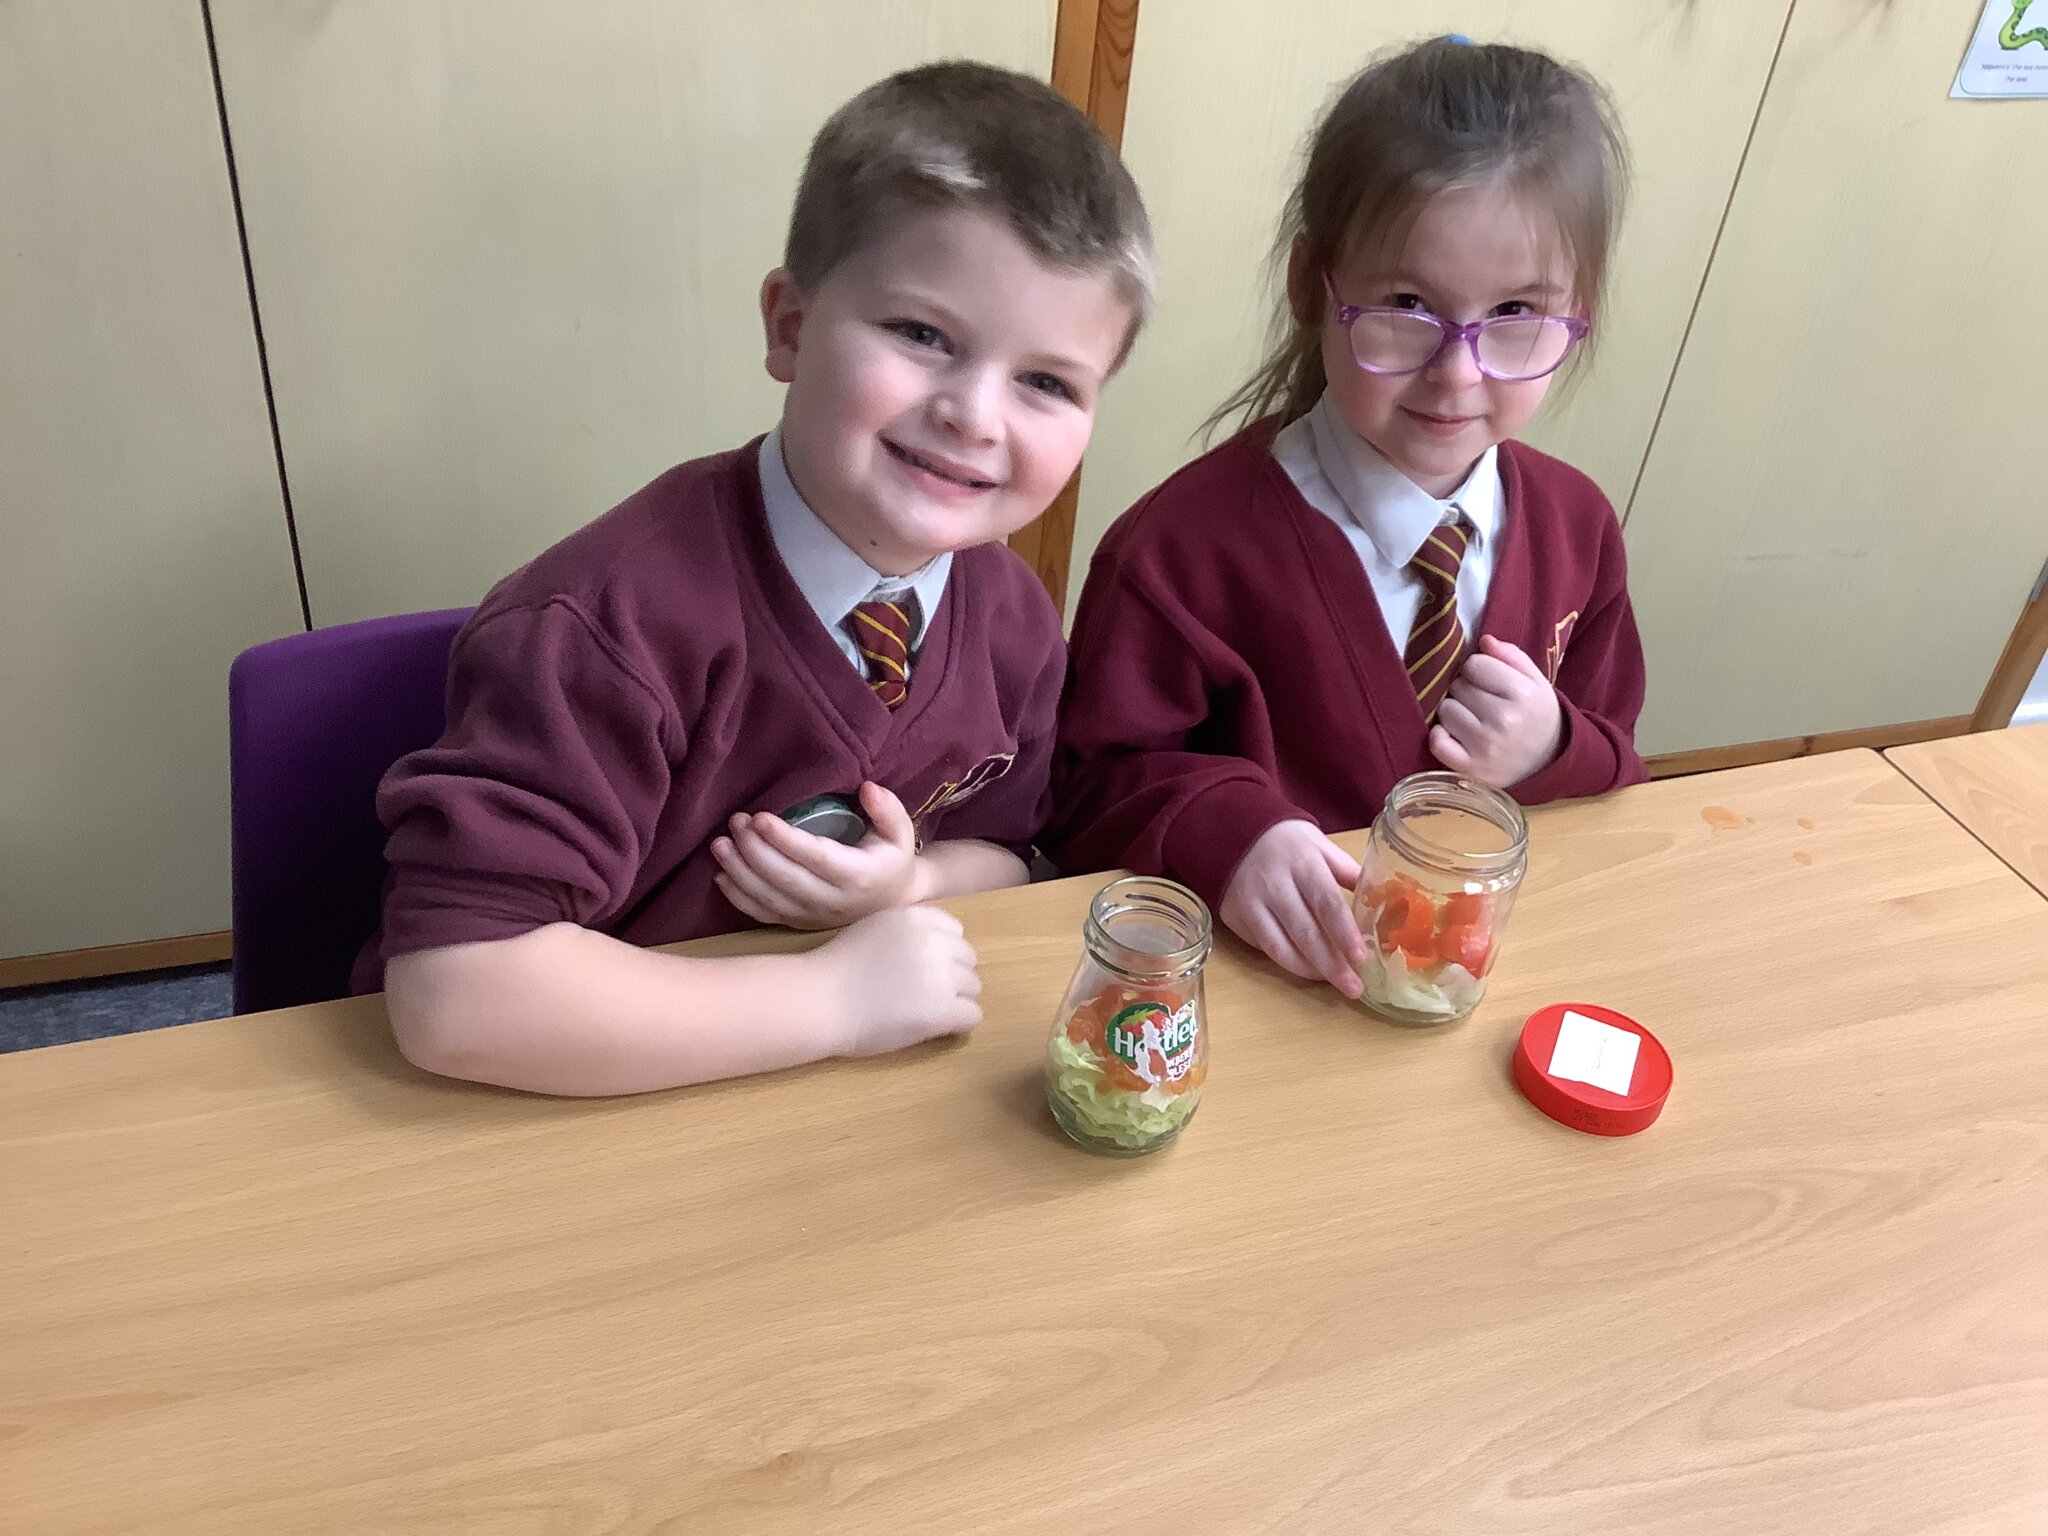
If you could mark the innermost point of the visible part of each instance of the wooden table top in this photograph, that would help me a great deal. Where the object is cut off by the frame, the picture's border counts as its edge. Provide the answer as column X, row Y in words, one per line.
column 1996, row 784
column 259, row 1275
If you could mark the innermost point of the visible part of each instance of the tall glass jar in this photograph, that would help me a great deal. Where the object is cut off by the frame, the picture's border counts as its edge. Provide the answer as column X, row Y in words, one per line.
column 1130, row 1046
column 1439, row 877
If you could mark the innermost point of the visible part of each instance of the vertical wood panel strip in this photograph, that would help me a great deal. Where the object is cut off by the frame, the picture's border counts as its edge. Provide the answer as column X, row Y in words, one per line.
column 1093, row 44
column 2016, row 667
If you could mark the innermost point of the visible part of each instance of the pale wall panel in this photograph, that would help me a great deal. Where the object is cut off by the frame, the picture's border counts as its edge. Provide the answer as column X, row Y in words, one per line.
column 1848, row 499
column 142, row 538
column 508, row 250
column 1223, row 95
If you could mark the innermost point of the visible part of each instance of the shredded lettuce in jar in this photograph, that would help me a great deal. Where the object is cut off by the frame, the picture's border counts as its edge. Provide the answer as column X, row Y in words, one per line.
column 1438, row 991
column 1076, row 1076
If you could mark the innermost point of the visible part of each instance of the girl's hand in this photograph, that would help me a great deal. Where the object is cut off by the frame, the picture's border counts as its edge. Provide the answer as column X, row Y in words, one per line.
column 782, row 875
column 1291, row 897
column 1501, row 720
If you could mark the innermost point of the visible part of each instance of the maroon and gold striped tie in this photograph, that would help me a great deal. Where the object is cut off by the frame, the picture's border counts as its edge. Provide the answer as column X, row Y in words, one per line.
column 882, row 631
column 1437, row 645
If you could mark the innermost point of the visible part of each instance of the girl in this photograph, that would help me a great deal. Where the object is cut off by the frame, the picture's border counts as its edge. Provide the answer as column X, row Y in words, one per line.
column 1371, row 578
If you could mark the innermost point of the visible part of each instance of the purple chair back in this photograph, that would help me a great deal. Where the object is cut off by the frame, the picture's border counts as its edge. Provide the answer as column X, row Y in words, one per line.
column 314, row 720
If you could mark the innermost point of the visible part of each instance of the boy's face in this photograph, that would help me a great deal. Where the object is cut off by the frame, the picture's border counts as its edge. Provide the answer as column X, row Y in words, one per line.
column 942, row 385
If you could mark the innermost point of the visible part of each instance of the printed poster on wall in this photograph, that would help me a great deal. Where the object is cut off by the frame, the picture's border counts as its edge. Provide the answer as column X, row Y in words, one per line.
column 2008, row 56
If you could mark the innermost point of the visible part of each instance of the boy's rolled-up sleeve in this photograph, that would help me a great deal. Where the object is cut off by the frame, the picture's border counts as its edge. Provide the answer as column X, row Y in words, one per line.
column 539, row 802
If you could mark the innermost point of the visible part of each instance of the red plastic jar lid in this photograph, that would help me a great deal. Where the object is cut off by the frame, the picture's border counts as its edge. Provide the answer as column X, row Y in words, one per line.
column 1576, row 1063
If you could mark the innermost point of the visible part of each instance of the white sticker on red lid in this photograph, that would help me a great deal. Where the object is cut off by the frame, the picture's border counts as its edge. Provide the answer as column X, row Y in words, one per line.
column 1591, row 1052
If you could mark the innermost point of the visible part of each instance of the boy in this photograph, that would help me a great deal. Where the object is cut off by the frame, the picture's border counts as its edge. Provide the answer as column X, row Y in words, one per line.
column 639, row 716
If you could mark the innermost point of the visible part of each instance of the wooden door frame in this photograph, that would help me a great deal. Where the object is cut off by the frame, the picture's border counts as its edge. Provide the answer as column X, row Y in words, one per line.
column 1093, row 41
column 2017, row 664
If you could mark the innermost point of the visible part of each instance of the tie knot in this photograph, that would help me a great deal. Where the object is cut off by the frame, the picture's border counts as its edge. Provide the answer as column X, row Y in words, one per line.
column 881, row 629
column 880, row 617
column 1442, row 553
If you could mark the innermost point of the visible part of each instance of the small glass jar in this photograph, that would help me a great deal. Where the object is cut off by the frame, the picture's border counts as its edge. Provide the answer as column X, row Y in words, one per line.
column 1130, row 1047
column 1438, row 879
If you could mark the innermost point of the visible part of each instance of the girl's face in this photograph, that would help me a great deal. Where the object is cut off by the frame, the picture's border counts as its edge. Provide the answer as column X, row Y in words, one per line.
column 1470, row 254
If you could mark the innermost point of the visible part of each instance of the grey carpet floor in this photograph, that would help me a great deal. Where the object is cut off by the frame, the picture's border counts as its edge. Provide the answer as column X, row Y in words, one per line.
column 115, row 1005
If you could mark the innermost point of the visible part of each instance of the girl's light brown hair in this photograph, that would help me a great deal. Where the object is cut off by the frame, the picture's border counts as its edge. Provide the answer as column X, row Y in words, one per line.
column 1436, row 117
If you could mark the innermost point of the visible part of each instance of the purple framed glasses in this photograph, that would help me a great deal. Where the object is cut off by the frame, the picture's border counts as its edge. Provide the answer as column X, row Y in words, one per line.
column 1512, row 348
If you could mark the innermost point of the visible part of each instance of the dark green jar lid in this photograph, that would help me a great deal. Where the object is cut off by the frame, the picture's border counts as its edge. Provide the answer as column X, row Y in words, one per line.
column 830, row 816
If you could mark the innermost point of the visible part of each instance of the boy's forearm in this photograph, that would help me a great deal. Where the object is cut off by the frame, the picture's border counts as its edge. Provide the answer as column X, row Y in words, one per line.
column 564, row 1010
column 963, row 865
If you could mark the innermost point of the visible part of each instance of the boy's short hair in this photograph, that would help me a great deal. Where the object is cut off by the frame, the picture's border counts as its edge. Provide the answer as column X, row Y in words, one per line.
column 971, row 137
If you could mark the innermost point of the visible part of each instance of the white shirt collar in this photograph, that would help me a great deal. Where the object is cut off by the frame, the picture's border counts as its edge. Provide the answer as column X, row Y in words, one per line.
column 1393, row 511
column 832, row 578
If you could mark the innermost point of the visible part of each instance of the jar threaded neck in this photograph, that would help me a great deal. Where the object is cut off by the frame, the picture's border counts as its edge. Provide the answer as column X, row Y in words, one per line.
column 1147, row 929
column 1423, row 794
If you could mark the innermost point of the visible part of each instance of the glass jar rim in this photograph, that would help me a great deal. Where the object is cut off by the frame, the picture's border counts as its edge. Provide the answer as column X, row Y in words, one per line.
column 1165, row 901
column 1455, row 791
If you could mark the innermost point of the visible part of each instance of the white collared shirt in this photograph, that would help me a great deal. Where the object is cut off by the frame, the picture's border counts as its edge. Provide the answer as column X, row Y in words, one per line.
column 832, row 578
column 1388, row 517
